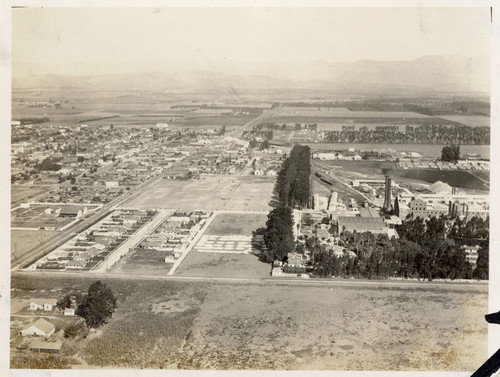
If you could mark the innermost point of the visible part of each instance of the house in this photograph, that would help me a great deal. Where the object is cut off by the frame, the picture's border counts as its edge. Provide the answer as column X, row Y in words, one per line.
column 48, row 306
column 41, row 327
column 46, row 347
column 69, row 311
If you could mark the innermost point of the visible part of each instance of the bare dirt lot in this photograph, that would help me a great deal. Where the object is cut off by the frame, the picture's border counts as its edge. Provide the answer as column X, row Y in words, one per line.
column 279, row 325
column 227, row 263
column 236, row 224
column 213, row 192
column 22, row 241
column 340, row 328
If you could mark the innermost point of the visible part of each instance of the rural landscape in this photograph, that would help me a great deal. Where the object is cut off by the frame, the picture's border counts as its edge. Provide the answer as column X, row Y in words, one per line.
column 214, row 221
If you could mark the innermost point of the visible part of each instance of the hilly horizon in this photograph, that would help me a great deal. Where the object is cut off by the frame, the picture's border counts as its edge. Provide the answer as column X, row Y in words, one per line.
column 428, row 75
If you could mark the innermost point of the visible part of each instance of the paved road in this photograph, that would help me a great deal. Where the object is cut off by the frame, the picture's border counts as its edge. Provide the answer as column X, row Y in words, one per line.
column 268, row 280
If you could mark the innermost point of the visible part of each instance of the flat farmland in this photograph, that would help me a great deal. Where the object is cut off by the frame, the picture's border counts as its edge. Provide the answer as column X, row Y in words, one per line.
column 455, row 178
column 281, row 326
column 224, row 193
column 226, row 249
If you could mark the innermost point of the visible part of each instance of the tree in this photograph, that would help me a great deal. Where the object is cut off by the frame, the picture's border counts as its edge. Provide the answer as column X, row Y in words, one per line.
column 64, row 302
column 98, row 305
column 450, row 153
column 278, row 236
column 482, row 265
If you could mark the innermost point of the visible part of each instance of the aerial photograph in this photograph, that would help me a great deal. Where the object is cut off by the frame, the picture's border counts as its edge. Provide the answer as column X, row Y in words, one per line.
column 249, row 188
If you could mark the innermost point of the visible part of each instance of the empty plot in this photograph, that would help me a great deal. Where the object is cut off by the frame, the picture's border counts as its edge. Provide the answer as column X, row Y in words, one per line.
column 208, row 194
column 226, row 249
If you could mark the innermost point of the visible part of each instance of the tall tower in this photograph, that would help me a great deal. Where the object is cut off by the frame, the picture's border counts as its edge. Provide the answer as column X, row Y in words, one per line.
column 387, row 197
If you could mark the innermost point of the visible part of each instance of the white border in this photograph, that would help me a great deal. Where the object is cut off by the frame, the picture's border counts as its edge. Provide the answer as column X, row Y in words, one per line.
column 5, row 96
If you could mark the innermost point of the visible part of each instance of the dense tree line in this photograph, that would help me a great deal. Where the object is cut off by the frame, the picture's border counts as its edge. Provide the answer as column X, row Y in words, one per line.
column 427, row 249
column 292, row 182
column 278, row 234
column 291, row 189
column 422, row 134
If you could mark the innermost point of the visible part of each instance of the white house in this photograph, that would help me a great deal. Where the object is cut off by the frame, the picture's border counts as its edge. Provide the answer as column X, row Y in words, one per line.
column 41, row 327
column 69, row 311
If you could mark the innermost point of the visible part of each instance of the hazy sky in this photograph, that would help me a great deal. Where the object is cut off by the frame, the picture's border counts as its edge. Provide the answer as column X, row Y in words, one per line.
column 100, row 40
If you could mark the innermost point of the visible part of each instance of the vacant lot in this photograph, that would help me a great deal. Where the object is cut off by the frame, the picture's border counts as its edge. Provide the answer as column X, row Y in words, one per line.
column 232, row 235
column 24, row 193
column 143, row 262
column 280, row 325
column 213, row 192
column 22, row 241
column 236, row 224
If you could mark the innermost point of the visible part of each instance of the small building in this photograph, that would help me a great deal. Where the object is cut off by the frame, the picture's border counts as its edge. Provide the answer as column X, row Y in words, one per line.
column 362, row 224
column 295, row 260
column 53, row 348
column 72, row 211
column 41, row 327
column 69, row 311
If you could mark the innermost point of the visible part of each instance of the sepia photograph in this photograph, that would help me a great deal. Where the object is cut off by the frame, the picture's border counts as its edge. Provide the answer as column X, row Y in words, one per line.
column 207, row 188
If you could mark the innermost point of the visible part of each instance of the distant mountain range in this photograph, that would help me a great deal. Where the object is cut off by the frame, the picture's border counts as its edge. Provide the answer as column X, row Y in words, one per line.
column 424, row 76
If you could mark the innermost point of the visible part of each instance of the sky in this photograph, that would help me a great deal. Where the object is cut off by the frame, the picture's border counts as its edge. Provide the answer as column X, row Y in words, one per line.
column 79, row 41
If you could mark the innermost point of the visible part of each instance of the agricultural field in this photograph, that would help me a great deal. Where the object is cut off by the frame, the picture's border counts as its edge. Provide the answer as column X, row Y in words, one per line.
column 119, row 112
column 350, row 170
column 207, row 325
column 210, row 193
column 455, row 178
column 469, row 120
column 226, row 249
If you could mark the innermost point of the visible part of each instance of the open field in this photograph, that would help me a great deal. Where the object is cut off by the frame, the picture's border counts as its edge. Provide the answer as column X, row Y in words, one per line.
column 349, row 170
column 202, row 325
column 119, row 112
column 454, row 178
column 345, row 112
column 143, row 262
column 469, row 120
column 22, row 241
column 236, row 224
column 353, row 328
column 25, row 193
column 223, row 265
column 226, row 249
column 213, row 192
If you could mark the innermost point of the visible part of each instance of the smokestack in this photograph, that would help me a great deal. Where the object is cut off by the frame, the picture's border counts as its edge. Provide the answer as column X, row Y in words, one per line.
column 387, row 199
